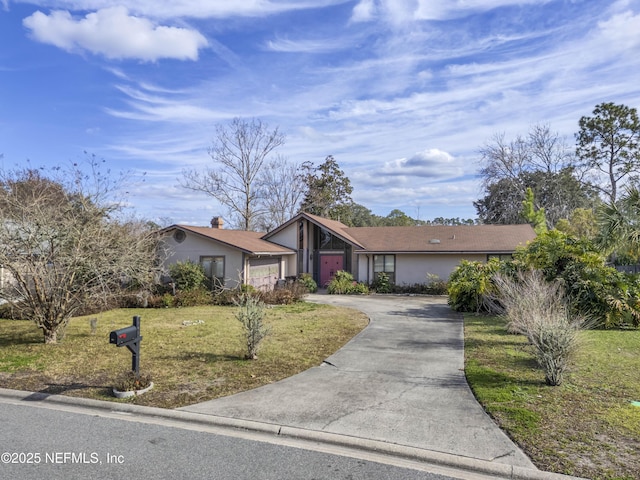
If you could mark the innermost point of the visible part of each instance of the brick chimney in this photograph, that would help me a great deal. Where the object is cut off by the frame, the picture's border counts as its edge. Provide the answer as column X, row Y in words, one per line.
column 216, row 222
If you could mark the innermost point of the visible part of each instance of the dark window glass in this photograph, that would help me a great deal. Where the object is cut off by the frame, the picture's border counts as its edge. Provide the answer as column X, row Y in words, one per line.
column 386, row 264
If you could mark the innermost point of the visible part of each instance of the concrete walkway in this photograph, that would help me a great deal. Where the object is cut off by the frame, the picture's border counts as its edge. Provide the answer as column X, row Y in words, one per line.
column 399, row 381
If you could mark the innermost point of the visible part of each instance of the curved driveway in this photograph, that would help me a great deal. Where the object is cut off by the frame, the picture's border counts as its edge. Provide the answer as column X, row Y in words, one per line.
column 401, row 380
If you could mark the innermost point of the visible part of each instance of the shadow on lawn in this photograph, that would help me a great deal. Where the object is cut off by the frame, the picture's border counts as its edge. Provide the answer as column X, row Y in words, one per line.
column 63, row 388
column 481, row 377
column 208, row 357
column 20, row 339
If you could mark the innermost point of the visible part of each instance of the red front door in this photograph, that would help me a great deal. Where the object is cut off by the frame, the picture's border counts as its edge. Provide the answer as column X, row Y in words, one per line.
column 329, row 265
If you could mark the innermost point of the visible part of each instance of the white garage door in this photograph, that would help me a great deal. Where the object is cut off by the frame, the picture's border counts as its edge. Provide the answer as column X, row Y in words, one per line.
column 264, row 272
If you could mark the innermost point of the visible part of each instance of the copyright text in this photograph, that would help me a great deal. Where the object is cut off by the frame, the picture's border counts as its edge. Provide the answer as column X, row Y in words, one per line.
column 60, row 458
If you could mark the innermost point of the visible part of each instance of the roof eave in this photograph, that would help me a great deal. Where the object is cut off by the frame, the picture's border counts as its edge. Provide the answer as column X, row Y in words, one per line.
column 309, row 218
column 438, row 252
column 241, row 249
column 272, row 254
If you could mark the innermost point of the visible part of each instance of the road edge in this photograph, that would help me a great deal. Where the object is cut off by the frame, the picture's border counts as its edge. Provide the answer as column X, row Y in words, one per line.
column 471, row 465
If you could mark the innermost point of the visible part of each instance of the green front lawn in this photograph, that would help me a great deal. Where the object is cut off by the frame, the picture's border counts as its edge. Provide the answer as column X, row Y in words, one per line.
column 586, row 427
column 188, row 361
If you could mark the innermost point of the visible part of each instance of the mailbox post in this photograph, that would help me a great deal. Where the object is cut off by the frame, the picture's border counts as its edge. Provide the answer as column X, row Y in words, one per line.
column 129, row 337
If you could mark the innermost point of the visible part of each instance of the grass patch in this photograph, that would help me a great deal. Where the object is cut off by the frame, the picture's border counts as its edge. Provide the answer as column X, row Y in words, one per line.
column 585, row 427
column 188, row 361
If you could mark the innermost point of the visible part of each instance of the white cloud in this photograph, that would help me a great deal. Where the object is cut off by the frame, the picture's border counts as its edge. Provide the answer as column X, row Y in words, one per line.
column 155, row 108
column 116, row 72
column 446, row 9
column 431, row 163
column 316, row 136
column 363, row 11
column 402, row 11
column 320, row 45
column 621, row 31
column 114, row 33
column 420, row 201
column 191, row 8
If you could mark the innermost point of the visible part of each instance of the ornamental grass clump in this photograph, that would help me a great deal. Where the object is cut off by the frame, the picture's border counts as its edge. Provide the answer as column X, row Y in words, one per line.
column 250, row 313
column 538, row 310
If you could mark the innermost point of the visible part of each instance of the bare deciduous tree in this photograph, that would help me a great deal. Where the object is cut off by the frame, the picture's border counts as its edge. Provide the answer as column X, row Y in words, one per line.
column 541, row 150
column 283, row 186
column 239, row 152
column 503, row 160
column 550, row 151
column 63, row 246
column 542, row 161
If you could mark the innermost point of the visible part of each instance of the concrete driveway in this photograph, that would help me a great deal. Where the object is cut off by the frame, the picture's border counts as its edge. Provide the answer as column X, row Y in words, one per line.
column 401, row 381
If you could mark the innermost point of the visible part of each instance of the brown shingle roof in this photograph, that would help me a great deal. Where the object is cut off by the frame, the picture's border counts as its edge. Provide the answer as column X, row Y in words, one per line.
column 249, row 242
column 443, row 239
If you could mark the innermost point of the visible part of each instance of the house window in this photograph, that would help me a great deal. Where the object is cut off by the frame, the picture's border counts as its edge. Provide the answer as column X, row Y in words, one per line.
column 501, row 256
column 213, row 269
column 301, row 235
column 325, row 240
column 386, row 264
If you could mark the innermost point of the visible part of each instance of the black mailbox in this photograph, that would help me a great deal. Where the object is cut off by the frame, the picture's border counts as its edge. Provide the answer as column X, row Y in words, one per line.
column 123, row 336
column 129, row 337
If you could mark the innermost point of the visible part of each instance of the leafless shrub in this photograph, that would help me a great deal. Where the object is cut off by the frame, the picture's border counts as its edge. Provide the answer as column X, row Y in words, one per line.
column 250, row 313
column 538, row 310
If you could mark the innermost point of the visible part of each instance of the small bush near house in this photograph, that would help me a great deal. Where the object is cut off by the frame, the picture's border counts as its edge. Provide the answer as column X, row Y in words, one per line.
column 165, row 301
column 538, row 310
column 308, row 282
column 225, row 297
column 182, row 298
column 382, row 284
column 250, row 289
column 470, row 285
column 286, row 294
column 192, row 298
column 435, row 285
column 9, row 311
column 251, row 312
column 344, row 284
column 187, row 275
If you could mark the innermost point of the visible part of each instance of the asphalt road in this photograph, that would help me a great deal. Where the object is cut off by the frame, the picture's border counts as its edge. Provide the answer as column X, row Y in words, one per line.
column 39, row 443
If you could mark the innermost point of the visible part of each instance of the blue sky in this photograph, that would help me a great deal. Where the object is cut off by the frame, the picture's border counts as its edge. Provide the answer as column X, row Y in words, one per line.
column 402, row 93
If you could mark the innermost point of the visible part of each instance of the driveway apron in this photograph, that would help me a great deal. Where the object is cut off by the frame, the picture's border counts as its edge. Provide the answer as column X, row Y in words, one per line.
column 401, row 380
